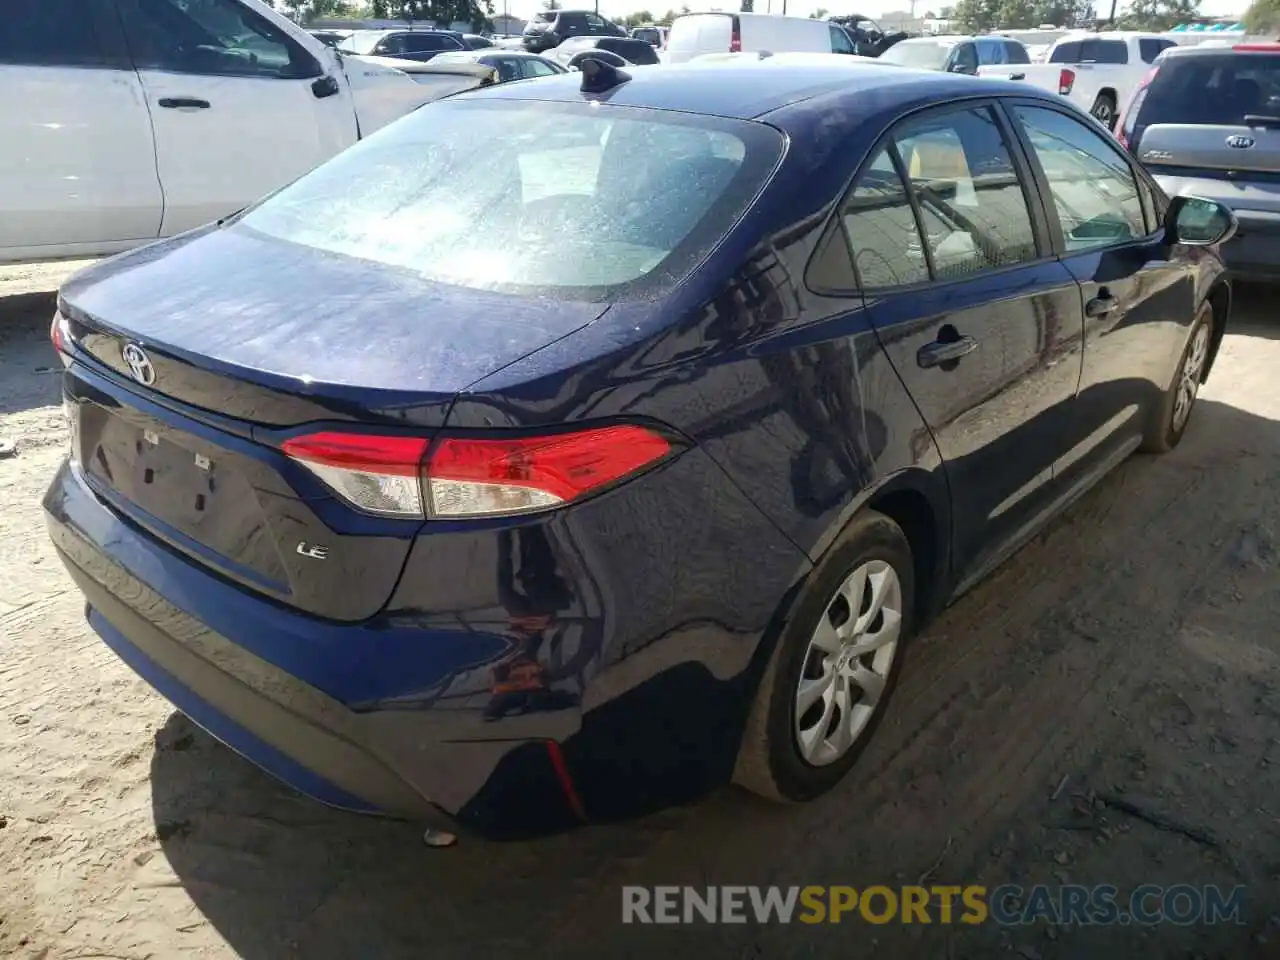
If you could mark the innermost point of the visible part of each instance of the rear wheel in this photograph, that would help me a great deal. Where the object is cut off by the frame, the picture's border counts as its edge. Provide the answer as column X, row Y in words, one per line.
column 834, row 667
column 1104, row 110
column 1171, row 419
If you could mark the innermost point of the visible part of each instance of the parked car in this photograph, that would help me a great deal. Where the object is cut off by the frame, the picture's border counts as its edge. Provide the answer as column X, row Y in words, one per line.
column 955, row 54
column 869, row 38
column 474, row 41
column 1098, row 71
column 420, row 45
column 695, row 34
column 141, row 120
column 632, row 51
column 549, row 28
column 520, row 476
column 655, row 36
column 1206, row 121
column 509, row 64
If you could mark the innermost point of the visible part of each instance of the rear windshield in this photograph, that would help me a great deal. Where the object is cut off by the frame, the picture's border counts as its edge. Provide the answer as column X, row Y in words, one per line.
column 648, row 35
column 1218, row 89
column 637, row 51
column 924, row 56
column 540, row 198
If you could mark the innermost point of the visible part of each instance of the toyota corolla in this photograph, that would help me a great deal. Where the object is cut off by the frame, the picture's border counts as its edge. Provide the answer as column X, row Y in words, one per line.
column 521, row 477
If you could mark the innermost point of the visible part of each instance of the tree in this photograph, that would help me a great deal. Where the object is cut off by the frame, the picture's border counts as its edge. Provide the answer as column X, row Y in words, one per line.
column 819, row 14
column 977, row 16
column 552, row 5
column 637, row 19
column 1263, row 16
column 1159, row 14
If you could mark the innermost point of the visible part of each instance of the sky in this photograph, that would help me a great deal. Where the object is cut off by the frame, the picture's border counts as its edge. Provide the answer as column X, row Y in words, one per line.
column 870, row 8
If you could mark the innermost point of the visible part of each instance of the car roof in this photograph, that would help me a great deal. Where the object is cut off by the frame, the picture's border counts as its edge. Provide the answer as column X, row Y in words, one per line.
column 1239, row 49
column 750, row 92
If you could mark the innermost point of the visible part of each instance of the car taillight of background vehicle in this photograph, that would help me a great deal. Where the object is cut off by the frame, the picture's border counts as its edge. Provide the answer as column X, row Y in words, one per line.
column 735, row 41
column 1066, row 80
column 455, row 477
column 1135, row 99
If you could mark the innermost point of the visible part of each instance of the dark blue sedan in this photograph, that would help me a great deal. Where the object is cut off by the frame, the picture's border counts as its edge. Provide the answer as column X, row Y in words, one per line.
column 536, row 479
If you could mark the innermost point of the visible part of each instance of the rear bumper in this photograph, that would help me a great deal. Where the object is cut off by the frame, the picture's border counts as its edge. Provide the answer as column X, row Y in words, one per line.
column 397, row 763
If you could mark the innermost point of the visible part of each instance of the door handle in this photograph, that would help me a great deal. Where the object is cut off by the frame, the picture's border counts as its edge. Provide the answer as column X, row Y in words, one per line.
column 177, row 103
column 945, row 351
column 1099, row 306
column 1017, row 76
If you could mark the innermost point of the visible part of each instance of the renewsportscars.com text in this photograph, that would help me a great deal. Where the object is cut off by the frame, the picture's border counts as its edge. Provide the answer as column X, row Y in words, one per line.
column 1009, row 904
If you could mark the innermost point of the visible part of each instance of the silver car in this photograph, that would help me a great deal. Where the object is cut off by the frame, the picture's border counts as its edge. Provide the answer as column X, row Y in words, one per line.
column 1206, row 123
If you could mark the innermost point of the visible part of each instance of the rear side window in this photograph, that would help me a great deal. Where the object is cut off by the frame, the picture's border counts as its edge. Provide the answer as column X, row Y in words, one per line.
column 1015, row 53
column 1104, row 51
column 840, row 42
column 425, row 42
column 543, row 199
column 61, row 33
column 967, row 197
column 1066, row 52
column 1216, row 89
column 1151, row 47
column 211, row 37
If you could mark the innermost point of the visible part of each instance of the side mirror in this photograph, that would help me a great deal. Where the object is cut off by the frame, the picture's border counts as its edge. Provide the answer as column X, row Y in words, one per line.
column 1198, row 222
column 326, row 86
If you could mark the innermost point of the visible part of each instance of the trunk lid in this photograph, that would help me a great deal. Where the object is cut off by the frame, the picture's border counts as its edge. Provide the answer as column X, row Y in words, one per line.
column 1227, row 148
column 204, row 352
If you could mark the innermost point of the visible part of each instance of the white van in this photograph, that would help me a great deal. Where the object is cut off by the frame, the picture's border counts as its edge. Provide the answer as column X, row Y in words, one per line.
column 695, row 34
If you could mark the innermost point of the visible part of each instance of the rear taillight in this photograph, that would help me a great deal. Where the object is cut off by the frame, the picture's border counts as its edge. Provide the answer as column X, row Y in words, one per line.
column 1066, row 80
column 58, row 333
column 475, row 477
column 1145, row 82
column 735, row 39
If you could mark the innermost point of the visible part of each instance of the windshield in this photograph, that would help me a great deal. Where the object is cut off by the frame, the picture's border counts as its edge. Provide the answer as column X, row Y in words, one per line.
column 923, row 56
column 539, row 198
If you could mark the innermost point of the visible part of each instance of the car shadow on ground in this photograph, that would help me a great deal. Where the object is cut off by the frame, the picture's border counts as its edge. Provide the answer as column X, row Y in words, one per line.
column 1100, row 658
column 24, row 340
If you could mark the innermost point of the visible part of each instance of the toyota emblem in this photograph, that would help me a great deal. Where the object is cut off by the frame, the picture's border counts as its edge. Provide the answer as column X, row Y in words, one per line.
column 1240, row 141
column 140, row 365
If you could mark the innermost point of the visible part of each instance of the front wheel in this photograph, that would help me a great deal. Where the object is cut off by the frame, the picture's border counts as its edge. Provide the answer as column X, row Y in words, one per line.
column 1171, row 419
column 835, row 665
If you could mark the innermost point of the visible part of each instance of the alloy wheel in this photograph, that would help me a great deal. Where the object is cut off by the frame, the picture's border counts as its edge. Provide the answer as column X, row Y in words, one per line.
column 848, row 662
column 1189, row 377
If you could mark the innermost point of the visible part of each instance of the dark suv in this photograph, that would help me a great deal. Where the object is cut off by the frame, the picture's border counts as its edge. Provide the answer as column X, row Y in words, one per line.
column 550, row 27
column 420, row 45
column 1206, row 122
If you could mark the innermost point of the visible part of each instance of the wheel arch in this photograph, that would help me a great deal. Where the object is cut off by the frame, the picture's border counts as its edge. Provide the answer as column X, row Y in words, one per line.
column 1220, row 300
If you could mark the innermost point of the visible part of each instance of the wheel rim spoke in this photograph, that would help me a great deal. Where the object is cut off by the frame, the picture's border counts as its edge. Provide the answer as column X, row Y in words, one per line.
column 852, row 654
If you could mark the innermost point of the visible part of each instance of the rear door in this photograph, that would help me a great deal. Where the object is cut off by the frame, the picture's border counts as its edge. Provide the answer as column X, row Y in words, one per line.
column 701, row 33
column 239, row 107
column 1137, row 302
column 77, row 159
column 978, row 317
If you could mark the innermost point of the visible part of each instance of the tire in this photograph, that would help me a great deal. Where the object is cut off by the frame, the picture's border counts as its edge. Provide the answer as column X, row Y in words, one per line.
column 771, row 759
column 1104, row 110
column 1171, row 419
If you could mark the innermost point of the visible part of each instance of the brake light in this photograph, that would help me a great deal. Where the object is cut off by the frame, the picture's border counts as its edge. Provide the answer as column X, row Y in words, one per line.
column 735, row 40
column 58, row 333
column 1066, row 80
column 474, row 477
column 1145, row 82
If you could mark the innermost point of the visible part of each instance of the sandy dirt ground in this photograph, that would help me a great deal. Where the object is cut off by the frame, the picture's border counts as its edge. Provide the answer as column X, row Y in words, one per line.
column 1129, row 654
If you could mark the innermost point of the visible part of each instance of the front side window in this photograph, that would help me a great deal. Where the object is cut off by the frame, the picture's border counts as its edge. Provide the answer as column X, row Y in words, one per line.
column 211, row 37
column 428, row 42
column 1093, row 189
column 476, row 193
column 536, row 68
column 60, row 33
column 1015, row 52
column 840, row 42
column 967, row 58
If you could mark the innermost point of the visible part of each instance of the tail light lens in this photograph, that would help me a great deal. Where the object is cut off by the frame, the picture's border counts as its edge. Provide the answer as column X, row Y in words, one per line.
column 735, row 40
column 1121, row 134
column 58, row 333
column 461, row 477
column 1066, row 80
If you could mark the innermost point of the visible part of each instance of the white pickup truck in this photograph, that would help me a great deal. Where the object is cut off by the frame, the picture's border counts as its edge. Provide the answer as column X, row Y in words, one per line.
column 1096, row 70
column 130, row 120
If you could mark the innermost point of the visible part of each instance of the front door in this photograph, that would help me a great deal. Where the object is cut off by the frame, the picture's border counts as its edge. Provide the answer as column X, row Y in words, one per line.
column 1137, row 300
column 234, row 102
column 981, row 322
